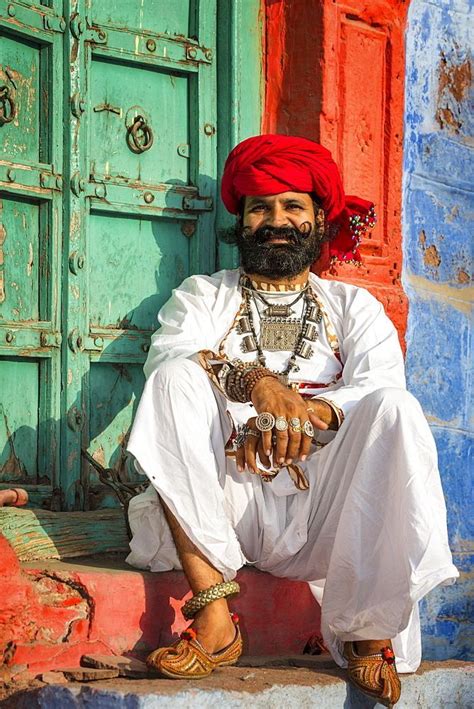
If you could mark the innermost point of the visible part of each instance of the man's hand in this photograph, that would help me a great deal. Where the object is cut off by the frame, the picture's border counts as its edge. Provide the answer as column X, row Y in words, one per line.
column 270, row 395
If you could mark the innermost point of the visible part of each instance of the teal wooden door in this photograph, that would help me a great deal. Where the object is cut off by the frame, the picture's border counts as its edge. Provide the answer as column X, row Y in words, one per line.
column 134, row 184
column 31, row 188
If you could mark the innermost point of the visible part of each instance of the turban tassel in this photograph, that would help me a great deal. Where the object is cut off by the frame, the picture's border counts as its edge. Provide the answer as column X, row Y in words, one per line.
column 271, row 164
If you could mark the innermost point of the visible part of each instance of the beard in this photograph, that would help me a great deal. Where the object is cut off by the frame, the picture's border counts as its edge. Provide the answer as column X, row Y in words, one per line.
column 286, row 260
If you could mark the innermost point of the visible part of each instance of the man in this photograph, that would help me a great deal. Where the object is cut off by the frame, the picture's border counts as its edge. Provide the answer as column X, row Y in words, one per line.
column 276, row 430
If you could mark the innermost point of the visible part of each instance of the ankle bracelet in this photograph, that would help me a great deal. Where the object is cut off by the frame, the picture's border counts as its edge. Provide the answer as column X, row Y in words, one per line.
column 203, row 598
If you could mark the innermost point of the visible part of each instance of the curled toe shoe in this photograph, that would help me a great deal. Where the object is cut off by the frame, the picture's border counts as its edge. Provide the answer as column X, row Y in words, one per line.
column 187, row 659
column 375, row 675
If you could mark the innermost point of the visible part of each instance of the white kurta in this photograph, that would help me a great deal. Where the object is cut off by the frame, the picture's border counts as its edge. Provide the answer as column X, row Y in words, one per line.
column 369, row 534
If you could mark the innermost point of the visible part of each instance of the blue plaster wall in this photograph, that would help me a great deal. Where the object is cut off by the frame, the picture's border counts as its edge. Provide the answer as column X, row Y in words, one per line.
column 437, row 204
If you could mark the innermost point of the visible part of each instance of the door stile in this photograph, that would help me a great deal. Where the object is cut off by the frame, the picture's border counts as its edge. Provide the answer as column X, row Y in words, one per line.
column 75, row 257
column 203, row 135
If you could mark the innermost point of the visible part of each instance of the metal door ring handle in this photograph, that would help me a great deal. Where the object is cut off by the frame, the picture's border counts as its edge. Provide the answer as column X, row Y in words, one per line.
column 7, row 106
column 139, row 135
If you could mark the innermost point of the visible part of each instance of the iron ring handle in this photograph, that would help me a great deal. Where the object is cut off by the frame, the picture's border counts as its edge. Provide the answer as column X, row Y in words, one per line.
column 140, row 135
column 7, row 115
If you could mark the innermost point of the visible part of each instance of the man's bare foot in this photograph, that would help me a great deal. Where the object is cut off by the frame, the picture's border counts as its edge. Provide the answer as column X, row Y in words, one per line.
column 214, row 627
column 371, row 647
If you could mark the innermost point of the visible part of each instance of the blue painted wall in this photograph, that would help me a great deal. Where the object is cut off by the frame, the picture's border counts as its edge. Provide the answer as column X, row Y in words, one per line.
column 437, row 204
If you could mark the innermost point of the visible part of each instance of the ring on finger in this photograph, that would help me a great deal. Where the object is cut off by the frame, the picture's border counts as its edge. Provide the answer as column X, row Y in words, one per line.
column 251, row 432
column 281, row 424
column 241, row 436
column 308, row 429
column 265, row 421
column 295, row 425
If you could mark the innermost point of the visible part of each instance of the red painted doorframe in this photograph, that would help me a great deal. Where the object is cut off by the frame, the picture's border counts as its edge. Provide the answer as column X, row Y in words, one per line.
column 334, row 72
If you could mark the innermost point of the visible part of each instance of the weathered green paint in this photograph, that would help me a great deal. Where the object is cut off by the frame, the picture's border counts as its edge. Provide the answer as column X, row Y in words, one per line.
column 30, row 238
column 78, row 304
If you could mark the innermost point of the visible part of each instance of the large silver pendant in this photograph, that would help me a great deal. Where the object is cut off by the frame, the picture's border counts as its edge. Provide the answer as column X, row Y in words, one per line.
column 276, row 335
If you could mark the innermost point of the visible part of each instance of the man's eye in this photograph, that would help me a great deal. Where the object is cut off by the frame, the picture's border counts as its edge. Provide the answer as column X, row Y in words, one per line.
column 294, row 206
column 258, row 208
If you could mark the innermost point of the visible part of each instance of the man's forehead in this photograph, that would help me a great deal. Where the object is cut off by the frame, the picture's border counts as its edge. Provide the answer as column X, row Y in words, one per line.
column 280, row 197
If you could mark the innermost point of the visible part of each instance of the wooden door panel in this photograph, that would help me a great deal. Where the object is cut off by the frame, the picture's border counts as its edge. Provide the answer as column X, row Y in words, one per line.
column 30, row 237
column 140, row 210
column 155, row 15
column 19, row 421
column 135, row 262
column 20, row 73
column 119, row 93
column 20, row 250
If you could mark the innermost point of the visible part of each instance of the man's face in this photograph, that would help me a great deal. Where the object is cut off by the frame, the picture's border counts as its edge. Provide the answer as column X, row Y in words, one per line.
column 288, row 209
column 279, row 235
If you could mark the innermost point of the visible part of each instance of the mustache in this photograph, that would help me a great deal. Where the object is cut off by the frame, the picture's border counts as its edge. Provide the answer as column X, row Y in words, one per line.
column 264, row 234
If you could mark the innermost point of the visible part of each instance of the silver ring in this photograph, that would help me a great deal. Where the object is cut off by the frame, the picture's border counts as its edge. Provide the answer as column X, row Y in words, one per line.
column 281, row 424
column 265, row 421
column 241, row 436
column 295, row 424
column 251, row 432
column 308, row 429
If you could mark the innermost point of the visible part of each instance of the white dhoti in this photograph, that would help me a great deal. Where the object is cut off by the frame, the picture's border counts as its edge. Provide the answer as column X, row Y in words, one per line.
column 369, row 535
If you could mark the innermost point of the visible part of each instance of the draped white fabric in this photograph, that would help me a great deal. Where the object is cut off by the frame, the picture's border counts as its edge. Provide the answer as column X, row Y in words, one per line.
column 370, row 533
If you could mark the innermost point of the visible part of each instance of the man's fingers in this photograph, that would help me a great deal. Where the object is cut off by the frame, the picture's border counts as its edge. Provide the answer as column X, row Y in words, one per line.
column 266, row 438
column 250, row 448
column 264, row 458
column 240, row 459
column 305, row 445
column 317, row 423
column 294, row 443
column 279, row 451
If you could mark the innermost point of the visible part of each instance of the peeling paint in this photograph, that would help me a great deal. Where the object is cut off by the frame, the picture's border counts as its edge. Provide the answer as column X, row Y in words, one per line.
column 431, row 256
column 3, row 236
column 454, row 81
column 461, row 299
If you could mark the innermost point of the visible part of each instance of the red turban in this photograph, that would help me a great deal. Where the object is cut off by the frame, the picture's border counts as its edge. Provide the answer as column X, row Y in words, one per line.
column 271, row 164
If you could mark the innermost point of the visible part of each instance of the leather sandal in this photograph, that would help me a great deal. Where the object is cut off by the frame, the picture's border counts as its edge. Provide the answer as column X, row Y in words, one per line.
column 375, row 675
column 187, row 659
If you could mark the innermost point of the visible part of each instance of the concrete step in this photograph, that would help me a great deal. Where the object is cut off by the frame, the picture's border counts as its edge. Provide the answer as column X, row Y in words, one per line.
column 440, row 685
column 102, row 605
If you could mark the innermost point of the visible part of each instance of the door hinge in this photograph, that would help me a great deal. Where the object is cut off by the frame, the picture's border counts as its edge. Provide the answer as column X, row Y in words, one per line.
column 198, row 204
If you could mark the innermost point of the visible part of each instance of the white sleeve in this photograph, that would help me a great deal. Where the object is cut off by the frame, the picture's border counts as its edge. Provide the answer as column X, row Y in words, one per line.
column 185, row 323
column 370, row 352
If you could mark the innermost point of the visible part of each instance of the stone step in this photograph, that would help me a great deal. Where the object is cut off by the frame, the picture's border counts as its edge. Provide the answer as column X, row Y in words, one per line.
column 442, row 685
column 102, row 605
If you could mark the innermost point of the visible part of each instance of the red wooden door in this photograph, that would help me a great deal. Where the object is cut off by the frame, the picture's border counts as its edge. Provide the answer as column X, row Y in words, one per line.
column 338, row 78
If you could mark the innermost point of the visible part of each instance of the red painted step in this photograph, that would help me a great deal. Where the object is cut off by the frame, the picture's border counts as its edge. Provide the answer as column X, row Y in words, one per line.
column 102, row 605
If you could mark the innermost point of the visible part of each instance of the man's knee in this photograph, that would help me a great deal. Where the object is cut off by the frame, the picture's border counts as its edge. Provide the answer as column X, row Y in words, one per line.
column 177, row 372
column 390, row 398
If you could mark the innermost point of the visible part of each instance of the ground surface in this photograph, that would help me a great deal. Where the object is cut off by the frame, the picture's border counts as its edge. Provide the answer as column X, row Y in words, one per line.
column 256, row 682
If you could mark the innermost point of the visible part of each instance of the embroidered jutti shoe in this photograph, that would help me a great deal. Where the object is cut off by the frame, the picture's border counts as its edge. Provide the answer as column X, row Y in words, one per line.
column 376, row 675
column 187, row 659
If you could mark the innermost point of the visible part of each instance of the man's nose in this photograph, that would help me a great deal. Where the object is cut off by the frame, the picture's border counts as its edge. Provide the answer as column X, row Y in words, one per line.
column 277, row 217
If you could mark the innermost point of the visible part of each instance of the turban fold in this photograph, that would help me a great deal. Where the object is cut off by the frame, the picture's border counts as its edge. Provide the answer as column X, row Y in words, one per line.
column 271, row 164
